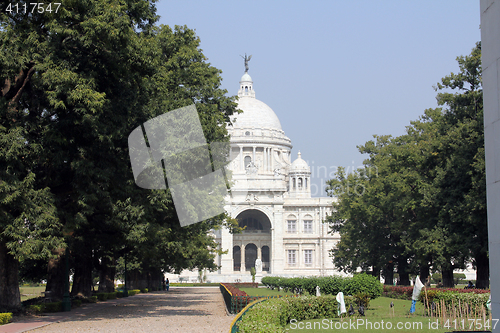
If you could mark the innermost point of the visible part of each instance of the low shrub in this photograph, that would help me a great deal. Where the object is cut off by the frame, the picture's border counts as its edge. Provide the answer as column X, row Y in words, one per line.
column 133, row 292
column 35, row 308
column 76, row 303
column 52, row 307
column 399, row 292
column 93, row 299
column 363, row 283
column 144, row 291
column 274, row 314
column 5, row 318
column 102, row 297
column 330, row 285
column 111, row 295
column 271, row 282
column 362, row 299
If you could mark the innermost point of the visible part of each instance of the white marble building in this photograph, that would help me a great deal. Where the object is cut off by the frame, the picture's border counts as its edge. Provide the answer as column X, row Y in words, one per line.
column 271, row 196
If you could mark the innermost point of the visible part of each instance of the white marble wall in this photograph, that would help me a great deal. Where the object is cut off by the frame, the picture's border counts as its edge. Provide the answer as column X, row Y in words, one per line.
column 490, row 39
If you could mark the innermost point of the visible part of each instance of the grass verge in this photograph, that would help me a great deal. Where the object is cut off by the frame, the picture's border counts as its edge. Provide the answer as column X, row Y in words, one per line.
column 380, row 317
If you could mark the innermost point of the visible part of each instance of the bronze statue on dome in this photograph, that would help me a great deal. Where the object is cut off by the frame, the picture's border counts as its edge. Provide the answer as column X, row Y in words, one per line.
column 247, row 59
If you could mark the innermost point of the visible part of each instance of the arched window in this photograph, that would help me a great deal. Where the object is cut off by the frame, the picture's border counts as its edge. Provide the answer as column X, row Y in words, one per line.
column 293, row 183
column 250, row 256
column 300, row 183
column 265, row 258
column 236, row 258
column 248, row 160
column 306, row 184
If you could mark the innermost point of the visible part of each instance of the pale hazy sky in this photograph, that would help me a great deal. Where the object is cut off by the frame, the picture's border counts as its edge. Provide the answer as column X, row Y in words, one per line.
column 334, row 72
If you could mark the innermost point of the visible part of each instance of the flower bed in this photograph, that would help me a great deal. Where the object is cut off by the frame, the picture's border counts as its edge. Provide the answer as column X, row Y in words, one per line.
column 405, row 292
column 237, row 299
column 245, row 285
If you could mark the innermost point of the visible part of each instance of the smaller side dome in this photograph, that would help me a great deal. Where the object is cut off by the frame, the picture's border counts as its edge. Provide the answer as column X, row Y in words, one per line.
column 246, row 78
column 299, row 165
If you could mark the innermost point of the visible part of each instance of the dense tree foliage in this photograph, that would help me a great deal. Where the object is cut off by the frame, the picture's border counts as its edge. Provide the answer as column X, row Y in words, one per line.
column 74, row 84
column 419, row 203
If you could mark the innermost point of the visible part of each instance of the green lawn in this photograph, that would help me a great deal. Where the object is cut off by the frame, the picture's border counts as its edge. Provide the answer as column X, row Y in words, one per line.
column 379, row 313
column 30, row 292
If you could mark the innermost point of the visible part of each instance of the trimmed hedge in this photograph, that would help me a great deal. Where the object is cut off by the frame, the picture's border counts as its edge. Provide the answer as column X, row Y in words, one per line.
column 102, row 296
column 5, row 318
column 114, row 295
column 274, row 314
column 330, row 285
column 53, row 307
column 133, row 292
column 36, row 308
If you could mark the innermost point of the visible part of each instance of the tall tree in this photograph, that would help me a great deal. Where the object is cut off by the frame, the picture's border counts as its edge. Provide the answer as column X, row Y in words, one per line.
column 428, row 195
column 75, row 84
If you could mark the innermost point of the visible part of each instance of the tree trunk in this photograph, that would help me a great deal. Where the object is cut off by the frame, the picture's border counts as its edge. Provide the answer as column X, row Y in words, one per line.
column 388, row 274
column 107, row 275
column 404, row 275
column 424, row 273
column 56, row 271
column 375, row 272
column 448, row 277
column 82, row 280
column 482, row 270
column 156, row 279
column 9, row 279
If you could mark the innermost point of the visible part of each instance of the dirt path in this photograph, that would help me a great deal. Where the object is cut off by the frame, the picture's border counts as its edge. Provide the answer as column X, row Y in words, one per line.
column 179, row 310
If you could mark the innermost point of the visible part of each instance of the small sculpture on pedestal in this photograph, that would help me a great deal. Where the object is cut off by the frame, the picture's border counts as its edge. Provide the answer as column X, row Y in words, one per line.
column 258, row 265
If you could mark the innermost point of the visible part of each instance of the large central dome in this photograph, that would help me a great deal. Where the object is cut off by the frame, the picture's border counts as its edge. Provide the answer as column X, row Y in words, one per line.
column 257, row 122
column 256, row 114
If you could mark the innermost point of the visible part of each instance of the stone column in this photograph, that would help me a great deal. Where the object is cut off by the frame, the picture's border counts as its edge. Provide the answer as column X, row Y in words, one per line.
column 278, row 251
column 272, row 159
column 242, row 167
column 226, row 260
column 253, row 155
column 299, row 257
column 242, row 268
column 259, row 252
column 264, row 159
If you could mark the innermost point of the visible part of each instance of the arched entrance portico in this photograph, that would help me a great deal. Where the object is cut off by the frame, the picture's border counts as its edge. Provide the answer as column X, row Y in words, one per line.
column 254, row 242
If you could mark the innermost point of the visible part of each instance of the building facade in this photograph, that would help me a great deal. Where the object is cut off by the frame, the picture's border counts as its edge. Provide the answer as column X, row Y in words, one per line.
column 270, row 197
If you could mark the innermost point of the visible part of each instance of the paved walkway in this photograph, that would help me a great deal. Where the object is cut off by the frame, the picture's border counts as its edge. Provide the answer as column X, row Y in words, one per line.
column 179, row 310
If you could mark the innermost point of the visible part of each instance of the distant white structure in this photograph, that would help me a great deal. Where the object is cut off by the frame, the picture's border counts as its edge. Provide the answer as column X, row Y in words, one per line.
column 271, row 198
